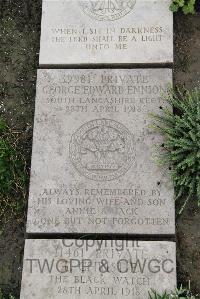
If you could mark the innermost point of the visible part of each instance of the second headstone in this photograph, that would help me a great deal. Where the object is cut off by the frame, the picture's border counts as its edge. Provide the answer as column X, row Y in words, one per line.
column 92, row 162
column 106, row 32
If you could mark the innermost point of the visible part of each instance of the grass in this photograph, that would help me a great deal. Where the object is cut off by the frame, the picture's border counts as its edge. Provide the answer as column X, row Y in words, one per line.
column 183, row 293
column 13, row 173
column 187, row 6
column 19, row 33
column 181, row 148
column 19, row 51
column 9, row 296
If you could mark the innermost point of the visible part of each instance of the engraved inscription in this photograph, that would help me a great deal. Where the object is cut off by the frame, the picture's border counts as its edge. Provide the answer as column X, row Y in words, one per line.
column 102, row 149
column 85, row 269
column 106, row 32
column 93, row 162
column 107, row 10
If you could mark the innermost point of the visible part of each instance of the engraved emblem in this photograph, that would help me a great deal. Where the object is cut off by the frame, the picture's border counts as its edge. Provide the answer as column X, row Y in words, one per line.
column 102, row 149
column 107, row 10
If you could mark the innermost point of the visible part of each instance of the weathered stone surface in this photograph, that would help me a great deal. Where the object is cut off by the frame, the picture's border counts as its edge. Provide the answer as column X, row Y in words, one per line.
column 92, row 164
column 97, row 269
column 106, row 32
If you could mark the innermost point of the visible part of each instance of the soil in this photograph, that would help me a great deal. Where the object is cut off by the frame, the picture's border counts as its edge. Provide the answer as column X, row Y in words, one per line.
column 19, row 48
column 187, row 74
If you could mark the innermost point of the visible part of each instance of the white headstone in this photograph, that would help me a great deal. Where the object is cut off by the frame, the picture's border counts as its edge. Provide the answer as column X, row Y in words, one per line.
column 101, row 269
column 106, row 32
column 93, row 169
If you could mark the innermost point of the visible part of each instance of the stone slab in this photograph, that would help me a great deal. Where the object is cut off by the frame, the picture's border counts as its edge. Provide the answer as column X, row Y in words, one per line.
column 105, row 269
column 93, row 169
column 106, row 32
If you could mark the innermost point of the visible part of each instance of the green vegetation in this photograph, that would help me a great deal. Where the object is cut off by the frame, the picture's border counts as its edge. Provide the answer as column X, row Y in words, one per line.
column 19, row 33
column 187, row 6
column 12, row 173
column 3, row 297
column 181, row 147
column 178, row 293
